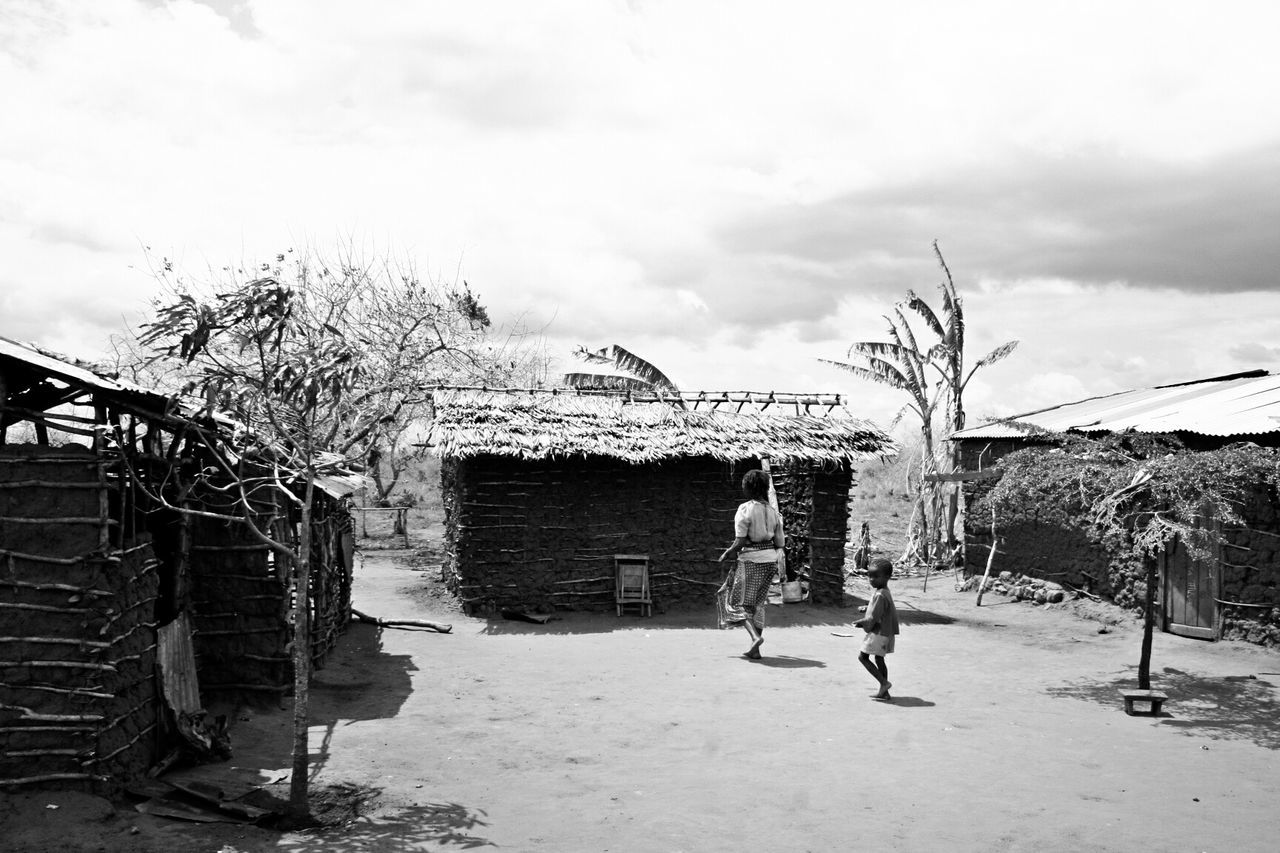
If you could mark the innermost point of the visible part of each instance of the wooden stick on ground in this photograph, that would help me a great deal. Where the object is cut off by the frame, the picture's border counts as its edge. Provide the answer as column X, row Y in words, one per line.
column 991, row 558
column 400, row 623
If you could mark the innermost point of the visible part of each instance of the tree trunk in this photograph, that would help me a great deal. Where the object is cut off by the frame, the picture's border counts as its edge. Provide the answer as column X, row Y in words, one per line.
column 299, row 804
column 928, row 497
column 1148, row 626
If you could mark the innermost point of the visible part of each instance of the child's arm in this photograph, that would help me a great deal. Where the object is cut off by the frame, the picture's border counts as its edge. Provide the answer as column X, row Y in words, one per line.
column 870, row 621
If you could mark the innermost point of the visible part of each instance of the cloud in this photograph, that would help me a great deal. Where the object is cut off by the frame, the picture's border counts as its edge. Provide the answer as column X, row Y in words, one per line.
column 733, row 196
column 1091, row 218
column 65, row 233
column 1255, row 353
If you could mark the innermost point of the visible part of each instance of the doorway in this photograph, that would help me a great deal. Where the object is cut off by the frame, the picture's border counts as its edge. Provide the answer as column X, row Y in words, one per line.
column 1191, row 585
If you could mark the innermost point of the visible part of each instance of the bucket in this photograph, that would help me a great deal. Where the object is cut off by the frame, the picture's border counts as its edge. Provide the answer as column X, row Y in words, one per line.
column 792, row 592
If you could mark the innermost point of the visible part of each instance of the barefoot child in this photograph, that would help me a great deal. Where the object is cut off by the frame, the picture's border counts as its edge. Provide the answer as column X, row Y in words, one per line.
column 881, row 624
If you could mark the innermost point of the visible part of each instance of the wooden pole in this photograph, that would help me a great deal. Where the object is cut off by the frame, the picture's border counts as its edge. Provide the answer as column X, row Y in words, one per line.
column 1148, row 626
column 991, row 558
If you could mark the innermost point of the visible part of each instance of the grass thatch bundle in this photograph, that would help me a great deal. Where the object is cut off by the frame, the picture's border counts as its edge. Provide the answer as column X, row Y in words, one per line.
column 642, row 428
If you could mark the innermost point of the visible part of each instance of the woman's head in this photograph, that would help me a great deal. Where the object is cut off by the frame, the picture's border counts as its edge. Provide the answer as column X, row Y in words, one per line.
column 755, row 485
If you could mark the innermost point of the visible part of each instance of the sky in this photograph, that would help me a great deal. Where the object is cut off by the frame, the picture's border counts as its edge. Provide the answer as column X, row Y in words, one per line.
column 732, row 190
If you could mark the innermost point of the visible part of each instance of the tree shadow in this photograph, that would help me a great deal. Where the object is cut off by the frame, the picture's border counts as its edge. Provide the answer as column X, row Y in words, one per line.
column 1239, row 708
column 359, row 681
column 409, row 828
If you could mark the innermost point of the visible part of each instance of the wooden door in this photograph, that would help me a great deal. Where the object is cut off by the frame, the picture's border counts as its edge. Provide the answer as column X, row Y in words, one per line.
column 1190, row 594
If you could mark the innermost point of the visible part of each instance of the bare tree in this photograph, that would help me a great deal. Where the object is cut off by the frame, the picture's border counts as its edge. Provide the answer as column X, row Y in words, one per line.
column 316, row 361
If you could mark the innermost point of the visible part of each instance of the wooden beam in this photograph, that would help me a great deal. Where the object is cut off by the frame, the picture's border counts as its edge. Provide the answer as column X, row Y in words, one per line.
column 963, row 476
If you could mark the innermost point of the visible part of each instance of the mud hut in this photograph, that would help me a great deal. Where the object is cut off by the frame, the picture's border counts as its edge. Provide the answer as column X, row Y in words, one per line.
column 1236, row 594
column 92, row 571
column 543, row 488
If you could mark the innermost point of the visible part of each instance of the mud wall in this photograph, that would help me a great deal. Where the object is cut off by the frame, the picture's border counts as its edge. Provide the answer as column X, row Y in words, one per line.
column 1251, row 573
column 78, row 699
column 542, row 535
column 814, row 501
column 1046, row 546
column 239, row 612
column 241, row 595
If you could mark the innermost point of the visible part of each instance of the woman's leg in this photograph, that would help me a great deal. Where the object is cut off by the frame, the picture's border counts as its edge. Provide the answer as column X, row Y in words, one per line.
column 754, row 630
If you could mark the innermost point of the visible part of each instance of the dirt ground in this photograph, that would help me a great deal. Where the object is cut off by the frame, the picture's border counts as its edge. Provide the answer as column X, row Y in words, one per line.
column 603, row 733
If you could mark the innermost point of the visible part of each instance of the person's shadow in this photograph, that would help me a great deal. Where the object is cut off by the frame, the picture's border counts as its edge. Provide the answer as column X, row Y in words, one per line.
column 788, row 662
column 910, row 702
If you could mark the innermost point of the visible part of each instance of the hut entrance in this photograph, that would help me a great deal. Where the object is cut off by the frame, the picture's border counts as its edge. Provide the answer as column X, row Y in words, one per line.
column 1191, row 586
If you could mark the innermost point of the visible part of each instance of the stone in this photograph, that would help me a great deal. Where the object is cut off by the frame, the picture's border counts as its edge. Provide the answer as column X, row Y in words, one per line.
column 1056, row 596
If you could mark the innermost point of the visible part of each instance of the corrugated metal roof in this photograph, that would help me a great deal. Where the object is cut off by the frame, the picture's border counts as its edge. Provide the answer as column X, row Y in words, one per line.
column 1238, row 404
column 76, row 373
column 338, row 480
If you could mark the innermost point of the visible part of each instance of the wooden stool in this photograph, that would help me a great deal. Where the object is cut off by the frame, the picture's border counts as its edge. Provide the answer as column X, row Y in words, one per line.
column 1153, row 699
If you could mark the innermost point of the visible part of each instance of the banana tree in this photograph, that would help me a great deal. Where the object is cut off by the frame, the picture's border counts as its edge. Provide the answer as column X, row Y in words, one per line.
column 932, row 377
column 899, row 363
column 946, row 357
column 635, row 374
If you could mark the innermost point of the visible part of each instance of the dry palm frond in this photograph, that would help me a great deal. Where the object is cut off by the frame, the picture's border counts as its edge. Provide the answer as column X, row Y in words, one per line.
column 647, row 428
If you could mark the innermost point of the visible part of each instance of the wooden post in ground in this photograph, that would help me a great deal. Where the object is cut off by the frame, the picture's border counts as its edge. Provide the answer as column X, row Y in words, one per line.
column 1148, row 626
column 991, row 558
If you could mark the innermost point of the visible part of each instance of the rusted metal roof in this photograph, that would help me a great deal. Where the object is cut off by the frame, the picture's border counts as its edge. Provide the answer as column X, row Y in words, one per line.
column 73, row 372
column 1236, row 404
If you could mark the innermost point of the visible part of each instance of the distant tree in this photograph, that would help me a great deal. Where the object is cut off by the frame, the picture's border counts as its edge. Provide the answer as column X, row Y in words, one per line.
column 635, row 374
column 316, row 361
column 932, row 377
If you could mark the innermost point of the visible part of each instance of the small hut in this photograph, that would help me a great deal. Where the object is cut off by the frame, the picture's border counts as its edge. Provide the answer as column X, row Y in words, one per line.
column 92, row 571
column 543, row 488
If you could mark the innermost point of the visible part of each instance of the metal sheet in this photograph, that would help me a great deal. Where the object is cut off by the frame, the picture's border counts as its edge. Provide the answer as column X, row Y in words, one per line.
column 1239, row 404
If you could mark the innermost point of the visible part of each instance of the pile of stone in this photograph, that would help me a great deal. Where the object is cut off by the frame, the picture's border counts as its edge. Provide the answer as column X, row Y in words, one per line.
column 1023, row 588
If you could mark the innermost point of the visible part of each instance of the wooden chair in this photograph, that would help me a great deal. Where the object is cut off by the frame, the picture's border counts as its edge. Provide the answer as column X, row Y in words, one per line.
column 632, row 572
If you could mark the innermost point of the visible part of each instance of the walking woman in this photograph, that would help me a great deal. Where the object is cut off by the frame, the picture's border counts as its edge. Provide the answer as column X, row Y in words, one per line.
column 757, row 545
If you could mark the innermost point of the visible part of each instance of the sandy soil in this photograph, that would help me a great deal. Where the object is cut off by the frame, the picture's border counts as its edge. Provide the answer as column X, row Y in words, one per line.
column 605, row 733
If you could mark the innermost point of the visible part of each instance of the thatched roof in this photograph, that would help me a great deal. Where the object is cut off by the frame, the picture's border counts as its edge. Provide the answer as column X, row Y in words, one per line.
column 650, row 427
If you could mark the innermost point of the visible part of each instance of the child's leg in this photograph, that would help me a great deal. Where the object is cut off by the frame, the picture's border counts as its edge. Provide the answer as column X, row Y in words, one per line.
column 883, row 674
column 865, row 660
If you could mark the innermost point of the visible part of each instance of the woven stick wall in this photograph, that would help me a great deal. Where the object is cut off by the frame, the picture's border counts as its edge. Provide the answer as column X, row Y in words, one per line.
column 77, row 645
column 240, row 608
column 542, row 534
column 330, row 595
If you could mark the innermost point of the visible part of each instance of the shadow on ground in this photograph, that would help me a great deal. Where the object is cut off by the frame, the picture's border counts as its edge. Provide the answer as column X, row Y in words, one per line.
column 1217, row 707
column 683, row 617
column 360, row 682
column 789, row 662
column 407, row 828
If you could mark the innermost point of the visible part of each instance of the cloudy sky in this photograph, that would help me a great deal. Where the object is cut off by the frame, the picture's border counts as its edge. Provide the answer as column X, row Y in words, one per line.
column 731, row 189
